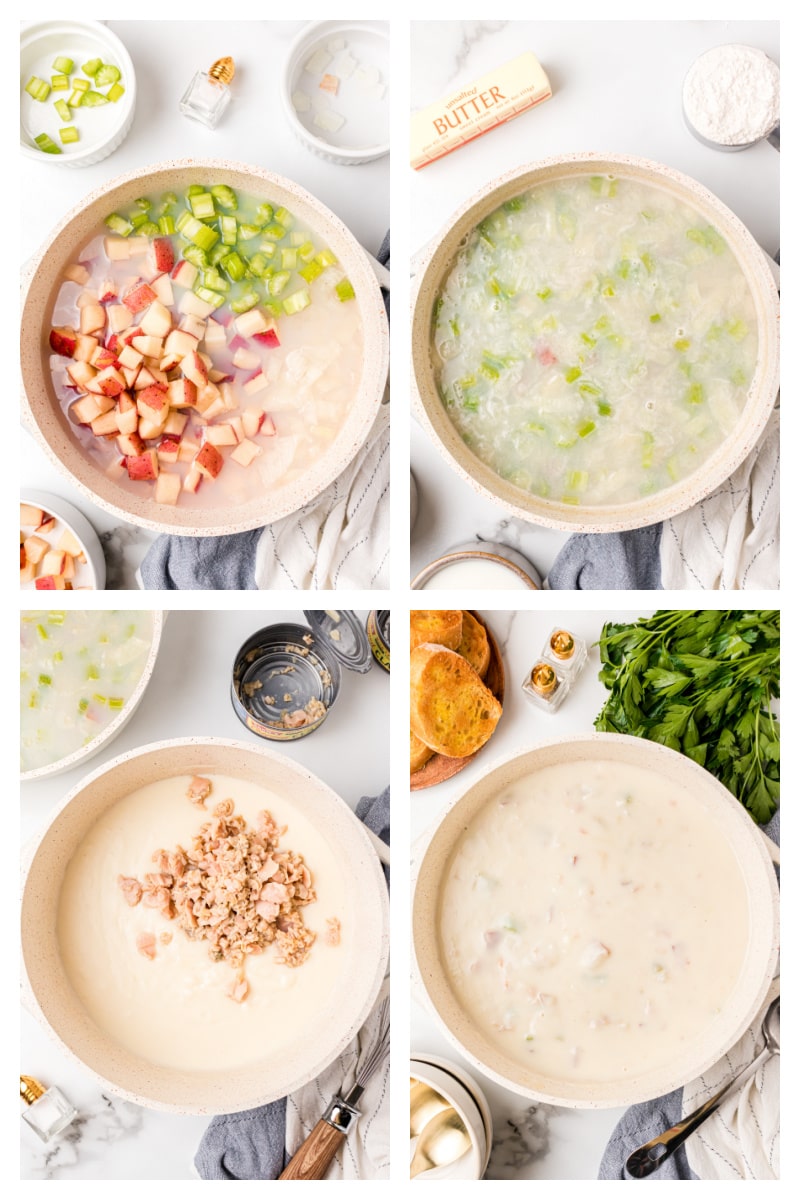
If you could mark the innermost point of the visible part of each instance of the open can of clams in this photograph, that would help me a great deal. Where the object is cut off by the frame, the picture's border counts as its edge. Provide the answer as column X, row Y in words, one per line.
column 286, row 677
column 378, row 634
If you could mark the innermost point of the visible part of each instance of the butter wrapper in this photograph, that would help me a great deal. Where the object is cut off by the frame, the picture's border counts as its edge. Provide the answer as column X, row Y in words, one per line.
column 475, row 109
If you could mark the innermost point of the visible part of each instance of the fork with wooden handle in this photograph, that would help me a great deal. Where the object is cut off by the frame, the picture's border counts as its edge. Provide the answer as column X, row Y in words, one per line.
column 314, row 1156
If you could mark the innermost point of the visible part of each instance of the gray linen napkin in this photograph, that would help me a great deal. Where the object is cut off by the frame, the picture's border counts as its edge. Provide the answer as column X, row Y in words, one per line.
column 642, row 1122
column 197, row 564
column 250, row 1145
column 609, row 561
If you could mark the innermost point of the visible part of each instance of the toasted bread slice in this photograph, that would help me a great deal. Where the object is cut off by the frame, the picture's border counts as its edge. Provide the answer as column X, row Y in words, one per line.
column 420, row 753
column 474, row 644
column 439, row 626
column 452, row 710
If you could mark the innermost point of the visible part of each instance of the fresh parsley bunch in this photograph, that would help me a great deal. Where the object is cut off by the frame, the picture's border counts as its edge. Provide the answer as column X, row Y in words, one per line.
column 702, row 683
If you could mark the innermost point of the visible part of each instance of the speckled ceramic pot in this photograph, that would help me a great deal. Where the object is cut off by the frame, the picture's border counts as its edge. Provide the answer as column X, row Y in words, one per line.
column 115, row 727
column 42, row 412
column 752, row 851
column 660, row 505
column 341, row 1013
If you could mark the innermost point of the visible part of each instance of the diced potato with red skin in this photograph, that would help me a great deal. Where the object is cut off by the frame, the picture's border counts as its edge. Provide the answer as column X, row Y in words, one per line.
column 89, row 408
column 117, row 248
column 193, row 367
column 214, row 410
column 106, row 425
column 77, row 273
column 229, row 397
column 27, row 573
column 151, row 429
column 237, row 427
column 193, row 325
column 188, row 450
column 53, row 562
column 168, row 450
column 181, row 342
column 69, row 567
column 162, row 254
column 31, row 514
column 215, row 336
column 246, row 359
column 184, row 274
column 50, row 583
column 190, row 303
column 137, row 298
column 162, row 286
column 148, row 345
column 46, row 526
column 131, row 445
column 107, row 291
column 128, row 418
column 252, row 420
column 252, row 322
column 159, row 376
column 157, row 321
column 129, row 334
column 256, row 383
column 131, row 375
column 35, row 548
column 245, row 452
column 69, row 544
column 182, row 393
column 109, row 382
column 168, row 488
column 81, row 373
column 144, row 379
column 220, row 435
column 102, row 358
column 209, row 461
column 119, row 318
column 192, row 480
column 85, row 347
column 152, row 402
column 93, row 318
column 130, row 357
column 63, row 340
column 87, row 297
column 142, row 466
column 176, row 423
column 207, row 395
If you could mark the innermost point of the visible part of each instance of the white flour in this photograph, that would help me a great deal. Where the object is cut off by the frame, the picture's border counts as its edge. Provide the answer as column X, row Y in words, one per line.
column 731, row 95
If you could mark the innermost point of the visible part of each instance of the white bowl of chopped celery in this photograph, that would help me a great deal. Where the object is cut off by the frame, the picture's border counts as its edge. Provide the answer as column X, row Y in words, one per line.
column 82, row 677
column 77, row 92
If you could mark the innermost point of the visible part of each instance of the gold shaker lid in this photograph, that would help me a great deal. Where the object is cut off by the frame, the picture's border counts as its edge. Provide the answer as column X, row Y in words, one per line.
column 30, row 1089
column 562, row 643
column 543, row 678
column 223, row 70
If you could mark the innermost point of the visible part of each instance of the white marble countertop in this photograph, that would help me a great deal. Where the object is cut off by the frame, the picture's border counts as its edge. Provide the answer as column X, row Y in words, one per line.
column 531, row 1141
column 165, row 55
column 616, row 88
column 187, row 695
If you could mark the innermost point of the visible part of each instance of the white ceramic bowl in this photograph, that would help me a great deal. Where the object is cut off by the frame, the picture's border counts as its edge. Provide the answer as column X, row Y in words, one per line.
column 365, row 133
column 92, row 573
column 42, row 412
column 465, row 1097
column 103, row 129
column 104, row 739
column 47, row 990
column 660, row 505
column 735, row 826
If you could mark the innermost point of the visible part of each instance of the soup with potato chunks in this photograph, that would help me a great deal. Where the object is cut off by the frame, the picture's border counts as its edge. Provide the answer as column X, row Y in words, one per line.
column 594, row 340
column 205, row 348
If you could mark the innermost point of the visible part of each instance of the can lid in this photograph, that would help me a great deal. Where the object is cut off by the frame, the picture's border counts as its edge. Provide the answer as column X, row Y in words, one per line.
column 343, row 634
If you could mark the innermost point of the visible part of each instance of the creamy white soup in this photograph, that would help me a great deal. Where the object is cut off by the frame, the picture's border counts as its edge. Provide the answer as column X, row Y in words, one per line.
column 593, row 922
column 157, row 992
column 594, row 340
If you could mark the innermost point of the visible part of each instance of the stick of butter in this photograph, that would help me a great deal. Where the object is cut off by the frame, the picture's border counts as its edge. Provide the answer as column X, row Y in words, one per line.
column 493, row 99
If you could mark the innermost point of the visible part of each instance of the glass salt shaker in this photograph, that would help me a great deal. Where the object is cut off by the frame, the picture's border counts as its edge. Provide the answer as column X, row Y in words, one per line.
column 48, row 1110
column 209, row 93
column 544, row 687
column 566, row 651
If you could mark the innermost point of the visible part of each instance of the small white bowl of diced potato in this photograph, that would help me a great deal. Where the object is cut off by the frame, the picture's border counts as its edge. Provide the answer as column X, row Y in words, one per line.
column 77, row 92
column 335, row 90
column 58, row 548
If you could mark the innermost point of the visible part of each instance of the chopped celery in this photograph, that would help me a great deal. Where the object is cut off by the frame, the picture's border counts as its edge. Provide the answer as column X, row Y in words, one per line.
column 216, row 255
column 738, row 377
column 709, row 238
column 737, row 329
column 288, row 259
column 604, row 408
column 194, row 189
column 63, row 110
column 75, row 98
column 268, row 248
column 138, row 219
column 572, row 373
column 682, row 344
column 99, row 698
column 46, row 143
column 229, row 229
column 202, row 205
column 567, row 225
column 278, row 282
column 274, row 231
column 648, row 263
column 68, row 134
column 118, row 224
column 310, row 271
column 212, row 279
column 113, row 94
column 59, row 83
column 258, row 264
column 285, row 218
column 245, row 302
column 655, row 318
column 588, row 340
column 648, row 442
column 210, row 297
column 91, row 67
column 92, row 672
column 305, row 250
column 107, row 74
column 225, row 197
column 545, row 293
column 202, row 235
column 149, row 229
column 345, row 290
column 166, row 224
column 169, row 198
column 248, row 232
column 577, row 480
column 116, row 702
column 80, row 85
column 603, row 185
column 499, row 289
column 265, row 213
column 585, row 428
column 695, row 393
column 197, row 257
column 233, row 265
column 45, row 681
column 602, row 323
column 64, row 65
column 143, row 203
column 37, row 88
column 296, row 302
column 326, row 258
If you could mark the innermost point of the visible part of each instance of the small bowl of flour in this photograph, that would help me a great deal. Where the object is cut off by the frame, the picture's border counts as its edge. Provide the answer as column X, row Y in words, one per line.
column 731, row 97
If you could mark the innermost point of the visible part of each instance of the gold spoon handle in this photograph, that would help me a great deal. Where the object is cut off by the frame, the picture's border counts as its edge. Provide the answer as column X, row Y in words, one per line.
column 316, row 1153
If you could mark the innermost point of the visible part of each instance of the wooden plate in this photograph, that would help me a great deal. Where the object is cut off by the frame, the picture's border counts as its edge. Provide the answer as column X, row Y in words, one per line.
column 440, row 767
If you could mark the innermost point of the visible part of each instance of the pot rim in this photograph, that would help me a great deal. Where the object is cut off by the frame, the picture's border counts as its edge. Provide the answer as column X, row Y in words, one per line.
column 435, row 259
